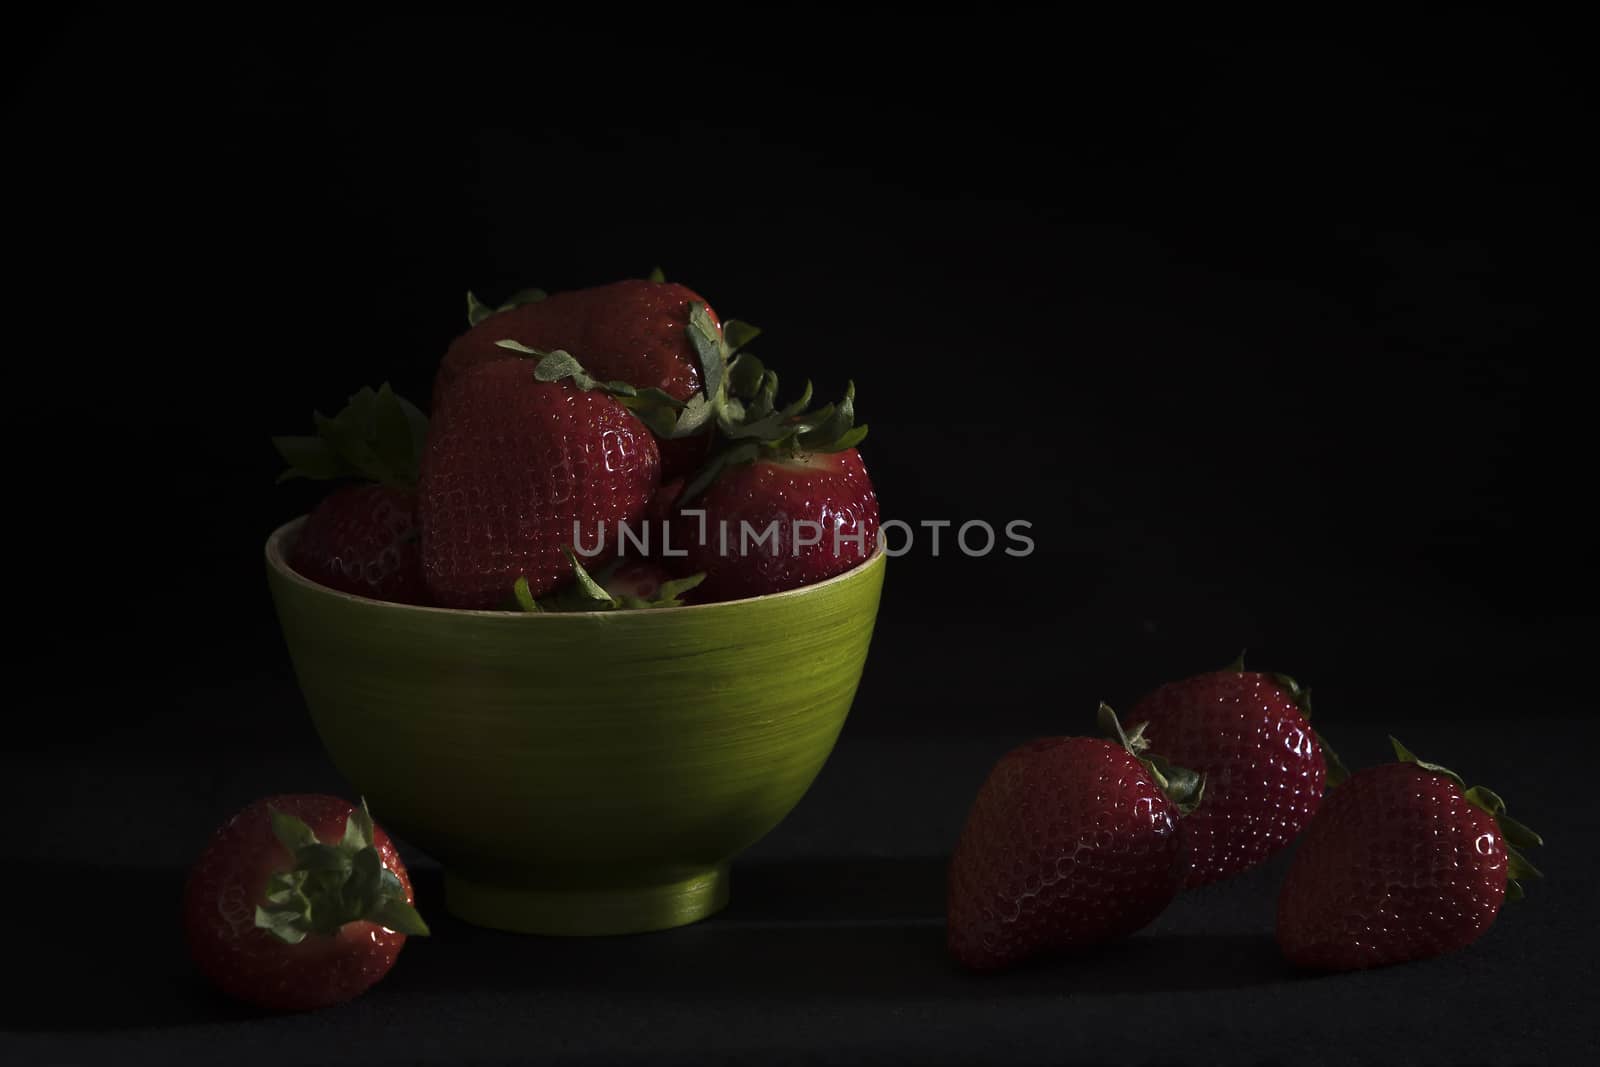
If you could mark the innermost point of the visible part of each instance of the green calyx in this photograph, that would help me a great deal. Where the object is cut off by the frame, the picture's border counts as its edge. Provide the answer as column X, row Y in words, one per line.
column 377, row 436
column 742, row 394
column 1337, row 772
column 589, row 592
column 755, row 427
column 331, row 885
column 1515, row 834
column 478, row 311
column 1185, row 788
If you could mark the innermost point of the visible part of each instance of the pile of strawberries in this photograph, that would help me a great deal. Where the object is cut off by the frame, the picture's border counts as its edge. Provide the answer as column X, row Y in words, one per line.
column 1076, row 841
column 612, row 447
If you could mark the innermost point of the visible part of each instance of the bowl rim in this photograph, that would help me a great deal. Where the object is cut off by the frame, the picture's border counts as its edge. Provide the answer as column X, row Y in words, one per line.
column 280, row 565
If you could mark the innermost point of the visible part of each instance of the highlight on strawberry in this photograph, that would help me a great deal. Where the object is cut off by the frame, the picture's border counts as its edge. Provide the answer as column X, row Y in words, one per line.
column 1250, row 734
column 298, row 902
column 1403, row 862
column 1071, row 842
column 626, row 421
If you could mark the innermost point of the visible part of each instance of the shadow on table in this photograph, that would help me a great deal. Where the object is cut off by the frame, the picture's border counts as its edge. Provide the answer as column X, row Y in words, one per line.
column 867, row 927
column 107, row 953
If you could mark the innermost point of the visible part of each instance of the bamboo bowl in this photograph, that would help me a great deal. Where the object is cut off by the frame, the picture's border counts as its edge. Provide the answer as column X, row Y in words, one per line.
column 582, row 773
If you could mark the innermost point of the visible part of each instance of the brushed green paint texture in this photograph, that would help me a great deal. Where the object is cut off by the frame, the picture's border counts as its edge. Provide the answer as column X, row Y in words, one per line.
column 582, row 773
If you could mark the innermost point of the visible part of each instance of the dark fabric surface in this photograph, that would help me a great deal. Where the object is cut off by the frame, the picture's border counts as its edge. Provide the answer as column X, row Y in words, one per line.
column 831, row 951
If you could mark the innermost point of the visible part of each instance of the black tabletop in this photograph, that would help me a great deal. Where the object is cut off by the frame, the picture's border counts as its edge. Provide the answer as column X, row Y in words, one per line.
column 831, row 950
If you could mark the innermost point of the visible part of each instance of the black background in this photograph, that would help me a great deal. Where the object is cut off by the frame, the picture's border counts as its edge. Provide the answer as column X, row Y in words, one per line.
column 1268, row 339
column 1276, row 343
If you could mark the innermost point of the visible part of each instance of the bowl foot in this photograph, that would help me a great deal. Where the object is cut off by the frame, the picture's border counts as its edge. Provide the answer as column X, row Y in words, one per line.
column 587, row 912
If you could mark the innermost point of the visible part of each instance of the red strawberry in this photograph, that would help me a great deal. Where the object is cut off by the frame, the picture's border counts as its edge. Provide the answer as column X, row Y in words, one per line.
column 1403, row 862
column 817, row 510
column 787, row 503
column 633, row 331
column 298, row 902
column 363, row 539
column 1265, row 769
column 513, row 465
column 1071, row 841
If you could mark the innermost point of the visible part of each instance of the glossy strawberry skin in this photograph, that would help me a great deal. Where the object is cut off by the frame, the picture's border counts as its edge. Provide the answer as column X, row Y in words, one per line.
column 831, row 489
column 1264, row 769
column 1069, row 843
column 364, row 540
column 633, row 331
column 511, row 463
column 252, row 965
column 1397, row 866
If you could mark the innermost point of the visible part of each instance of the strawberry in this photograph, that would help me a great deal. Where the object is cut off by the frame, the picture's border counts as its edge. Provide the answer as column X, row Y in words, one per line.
column 1249, row 734
column 633, row 331
column 1072, row 841
column 362, row 539
column 514, row 468
column 298, row 902
column 1402, row 863
column 788, row 503
column 817, row 510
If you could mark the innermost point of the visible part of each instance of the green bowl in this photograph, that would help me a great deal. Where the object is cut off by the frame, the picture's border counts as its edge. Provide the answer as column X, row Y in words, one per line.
column 582, row 773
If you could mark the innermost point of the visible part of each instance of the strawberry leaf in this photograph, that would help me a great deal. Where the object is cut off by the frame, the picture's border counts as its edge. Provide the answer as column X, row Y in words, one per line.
column 293, row 833
column 523, row 594
column 744, row 376
column 671, row 590
column 358, row 829
column 583, row 593
column 766, row 397
column 696, row 413
column 656, row 275
column 710, row 346
column 1405, row 755
column 789, row 411
column 478, row 311
column 1337, row 772
column 378, row 435
column 395, row 914
column 668, row 595
column 655, row 407
column 1516, row 833
column 738, row 335
column 310, row 457
column 591, row 589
